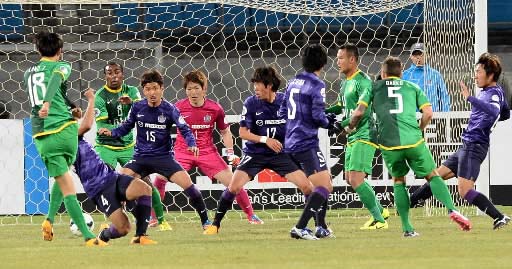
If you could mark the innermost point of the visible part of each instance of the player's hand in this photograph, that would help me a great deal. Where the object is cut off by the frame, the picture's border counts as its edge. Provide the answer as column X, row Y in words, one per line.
column 125, row 100
column 43, row 112
column 348, row 130
column 233, row 159
column 331, row 117
column 335, row 130
column 194, row 150
column 274, row 145
column 104, row 131
column 77, row 113
column 89, row 94
column 464, row 90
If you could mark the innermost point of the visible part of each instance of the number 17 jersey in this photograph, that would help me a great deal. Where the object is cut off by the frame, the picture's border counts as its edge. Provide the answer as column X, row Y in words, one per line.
column 395, row 101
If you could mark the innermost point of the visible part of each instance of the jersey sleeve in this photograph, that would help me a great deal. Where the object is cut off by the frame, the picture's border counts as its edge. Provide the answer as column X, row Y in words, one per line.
column 221, row 119
column 421, row 98
column 182, row 125
column 318, row 106
column 337, row 108
column 246, row 119
column 134, row 93
column 63, row 69
column 366, row 95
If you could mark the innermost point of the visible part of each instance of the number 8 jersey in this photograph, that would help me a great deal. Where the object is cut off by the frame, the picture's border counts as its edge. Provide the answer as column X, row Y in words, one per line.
column 261, row 118
column 41, row 87
column 395, row 101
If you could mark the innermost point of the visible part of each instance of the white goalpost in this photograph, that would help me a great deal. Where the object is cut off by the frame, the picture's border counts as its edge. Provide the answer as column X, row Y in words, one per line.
column 228, row 40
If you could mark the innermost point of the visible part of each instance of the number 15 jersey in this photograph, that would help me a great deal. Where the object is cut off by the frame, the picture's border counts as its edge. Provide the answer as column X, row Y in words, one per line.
column 395, row 102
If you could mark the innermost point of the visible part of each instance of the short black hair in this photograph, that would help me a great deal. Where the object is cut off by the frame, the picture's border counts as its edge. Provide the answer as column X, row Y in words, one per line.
column 48, row 44
column 112, row 64
column 351, row 49
column 5, row 109
column 268, row 76
column 392, row 66
column 150, row 76
column 314, row 58
column 491, row 64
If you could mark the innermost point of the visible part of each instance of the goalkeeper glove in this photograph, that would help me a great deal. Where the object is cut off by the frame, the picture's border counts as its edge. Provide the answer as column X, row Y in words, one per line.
column 233, row 159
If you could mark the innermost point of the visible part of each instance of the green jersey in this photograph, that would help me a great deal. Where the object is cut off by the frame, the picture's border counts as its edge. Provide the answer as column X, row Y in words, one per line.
column 110, row 113
column 47, row 82
column 351, row 91
column 395, row 102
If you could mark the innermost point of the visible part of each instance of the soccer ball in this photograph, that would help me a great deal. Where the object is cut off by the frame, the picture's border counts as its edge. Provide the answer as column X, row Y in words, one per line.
column 88, row 221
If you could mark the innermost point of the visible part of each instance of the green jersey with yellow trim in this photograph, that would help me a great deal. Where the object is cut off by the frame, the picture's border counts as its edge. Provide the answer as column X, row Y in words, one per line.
column 110, row 113
column 37, row 83
column 395, row 102
column 352, row 89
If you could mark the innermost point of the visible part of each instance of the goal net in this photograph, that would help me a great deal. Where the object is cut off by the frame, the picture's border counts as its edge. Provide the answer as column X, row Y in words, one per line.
column 228, row 40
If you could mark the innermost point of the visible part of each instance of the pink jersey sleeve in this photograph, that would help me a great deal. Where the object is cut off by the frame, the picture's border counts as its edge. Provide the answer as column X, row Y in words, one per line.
column 221, row 119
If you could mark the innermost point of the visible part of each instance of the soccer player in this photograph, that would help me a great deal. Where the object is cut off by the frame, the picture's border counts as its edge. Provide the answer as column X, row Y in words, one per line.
column 303, row 108
column 113, row 102
column 202, row 115
column 154, row 118
column 108, row 189
column 361, row 144
column 55, row 130
column 395, row 102
column 264, row 133
column 487, row 109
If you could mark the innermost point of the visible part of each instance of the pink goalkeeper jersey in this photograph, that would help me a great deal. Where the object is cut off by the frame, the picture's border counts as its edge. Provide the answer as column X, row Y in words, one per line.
column 202, row 121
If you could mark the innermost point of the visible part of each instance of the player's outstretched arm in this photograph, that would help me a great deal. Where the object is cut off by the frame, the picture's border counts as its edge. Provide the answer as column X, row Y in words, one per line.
column 272, row 143
column 88, row 120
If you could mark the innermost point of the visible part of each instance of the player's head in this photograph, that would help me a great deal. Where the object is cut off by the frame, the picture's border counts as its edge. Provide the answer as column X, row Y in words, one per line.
column 488, row 70
column 266, row 82
column 114, row 75
column 418, row 54
column 348, row 58
column 48, row 44
column 392, row 67
column 314, row 58
column 195, row 84
column 152, row 83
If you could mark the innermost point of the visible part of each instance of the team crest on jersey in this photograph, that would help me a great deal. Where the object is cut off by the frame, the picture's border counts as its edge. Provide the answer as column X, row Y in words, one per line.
column 64, row 70
column 207, row 118
column 97, row 112
column 161, row 118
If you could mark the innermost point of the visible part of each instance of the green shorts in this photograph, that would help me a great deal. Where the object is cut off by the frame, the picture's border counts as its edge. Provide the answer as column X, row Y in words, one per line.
column 418, row 158
column 58, row 150
column 359, row 157
column 114, row 156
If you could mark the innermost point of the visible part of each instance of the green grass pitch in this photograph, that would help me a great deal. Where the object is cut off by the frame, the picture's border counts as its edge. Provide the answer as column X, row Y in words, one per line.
column 241, row 245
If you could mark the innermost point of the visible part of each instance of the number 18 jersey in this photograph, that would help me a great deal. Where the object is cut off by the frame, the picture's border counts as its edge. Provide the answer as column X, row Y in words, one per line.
column 395, row 102
column 36, row 80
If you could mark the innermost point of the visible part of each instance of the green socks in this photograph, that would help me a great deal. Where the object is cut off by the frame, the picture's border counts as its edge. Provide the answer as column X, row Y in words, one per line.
column 56, row 199
column 369, row 200
column 75, row 212
column 402, row 204
column 157, row 205
column 441, row 192
column 376, row 200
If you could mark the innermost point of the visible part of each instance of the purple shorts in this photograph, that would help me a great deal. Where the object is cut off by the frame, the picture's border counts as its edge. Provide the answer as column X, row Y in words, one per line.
column 109, row 200
column 280, row 163
column 164, row 165
column 310, row 161
column 467, row 160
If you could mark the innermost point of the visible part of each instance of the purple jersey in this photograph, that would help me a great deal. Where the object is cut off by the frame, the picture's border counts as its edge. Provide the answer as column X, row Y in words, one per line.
column 261, row 118
column 94, row 174
column 154, row 128
column 487, row 109
column 304, row 107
